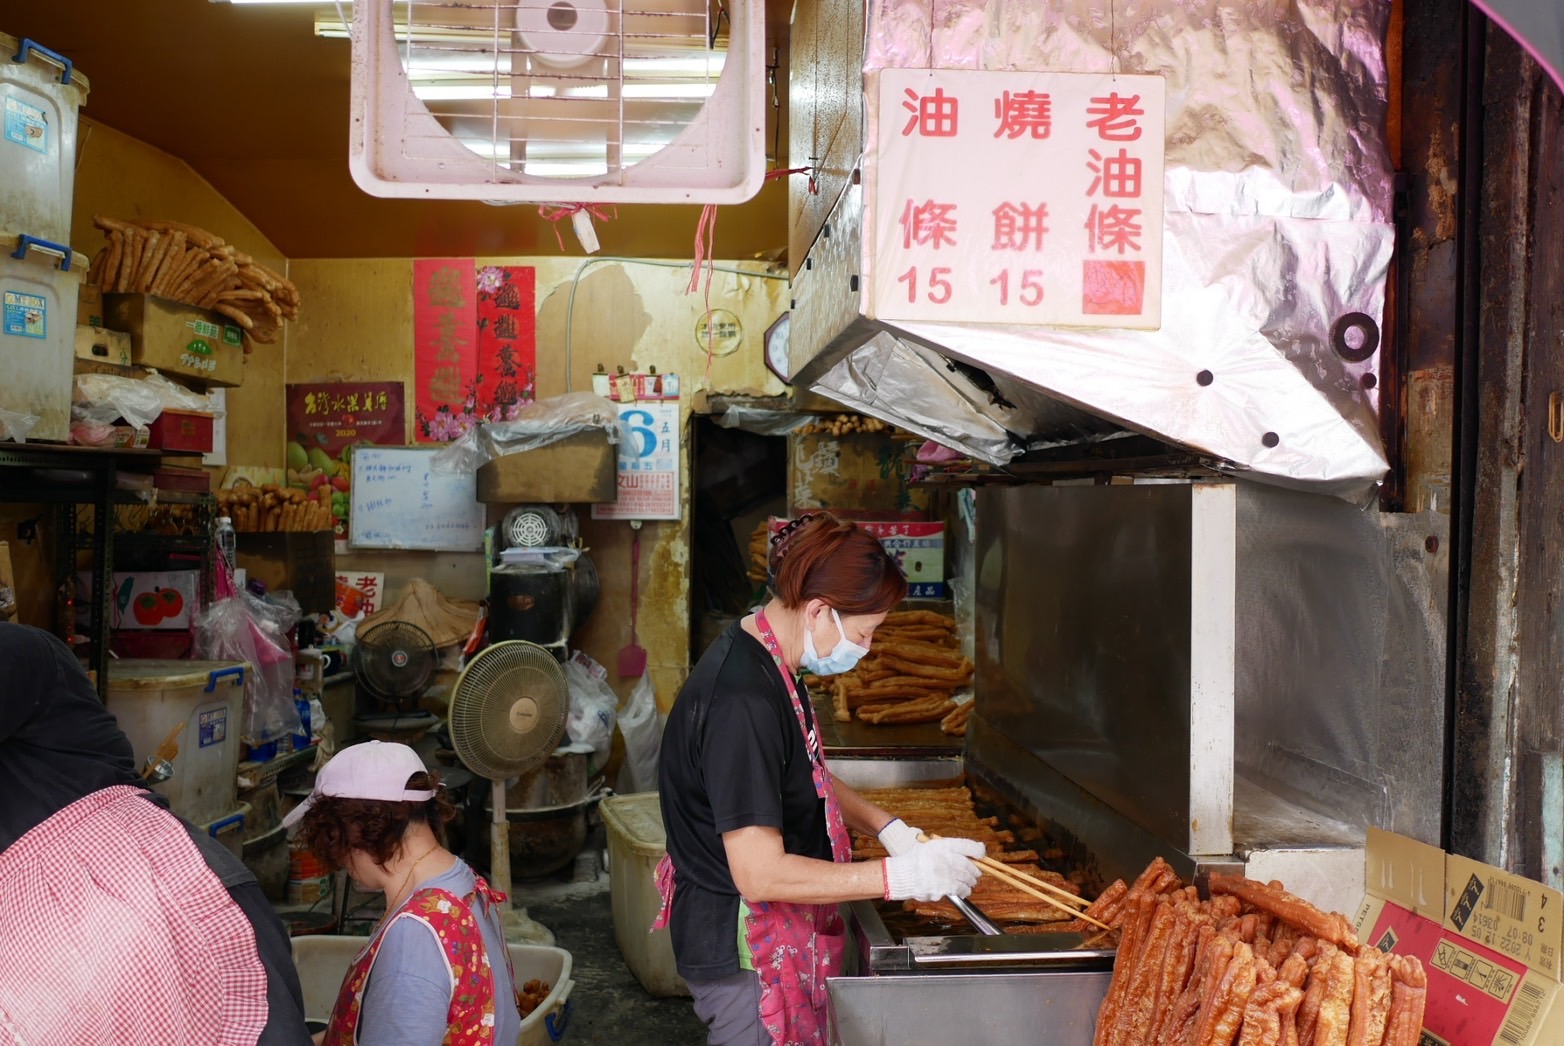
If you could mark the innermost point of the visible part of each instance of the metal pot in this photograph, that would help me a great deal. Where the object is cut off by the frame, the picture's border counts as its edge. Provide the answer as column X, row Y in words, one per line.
column 544, row 841
column 560, row 781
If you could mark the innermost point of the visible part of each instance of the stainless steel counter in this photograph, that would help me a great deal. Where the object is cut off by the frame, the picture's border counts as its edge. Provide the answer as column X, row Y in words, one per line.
column 996, row 1009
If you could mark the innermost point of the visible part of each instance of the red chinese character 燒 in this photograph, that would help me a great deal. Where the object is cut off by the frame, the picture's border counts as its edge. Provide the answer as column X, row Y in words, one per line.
column 1019, row 226
column 1113, row 227
column 1115, row 117
column 1119, row 176
column 928, row 224
column 933, row 115
column 1022, row 112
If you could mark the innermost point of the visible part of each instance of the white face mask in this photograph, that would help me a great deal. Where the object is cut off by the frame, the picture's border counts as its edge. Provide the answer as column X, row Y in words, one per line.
column 842, row 657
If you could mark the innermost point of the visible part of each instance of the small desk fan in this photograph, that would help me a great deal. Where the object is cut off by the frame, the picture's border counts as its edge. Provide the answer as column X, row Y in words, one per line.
column 507, row 717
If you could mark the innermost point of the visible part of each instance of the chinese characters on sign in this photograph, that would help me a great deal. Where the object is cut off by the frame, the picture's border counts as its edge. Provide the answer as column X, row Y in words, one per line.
column 648, row 480
column 1019, row 197
column 326, row 420
column 445, row 347
column 507, row 341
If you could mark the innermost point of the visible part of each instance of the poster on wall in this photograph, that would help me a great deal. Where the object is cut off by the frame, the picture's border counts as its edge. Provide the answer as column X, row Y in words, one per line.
column 648, row 478
column 474, row 345
column 507, row 341
column 326, row 420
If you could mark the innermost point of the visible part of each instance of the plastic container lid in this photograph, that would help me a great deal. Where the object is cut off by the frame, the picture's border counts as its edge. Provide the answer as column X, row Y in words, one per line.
column 11, row 46
column 160, row 674
column 638, row 819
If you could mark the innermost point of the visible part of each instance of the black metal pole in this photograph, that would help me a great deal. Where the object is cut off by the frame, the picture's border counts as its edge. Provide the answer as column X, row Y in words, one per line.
column 1464, row 434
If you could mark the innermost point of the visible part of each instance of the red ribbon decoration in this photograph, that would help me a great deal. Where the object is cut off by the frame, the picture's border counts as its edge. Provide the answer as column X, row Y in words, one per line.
column 558, row 212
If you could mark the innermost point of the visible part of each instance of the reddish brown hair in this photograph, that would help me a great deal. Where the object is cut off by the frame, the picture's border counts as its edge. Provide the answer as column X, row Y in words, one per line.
column 821, row 557
column 335, row 826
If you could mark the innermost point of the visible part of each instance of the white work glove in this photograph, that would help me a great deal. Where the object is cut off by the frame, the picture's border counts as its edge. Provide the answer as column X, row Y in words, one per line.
column 935, row 869
column 898, row 837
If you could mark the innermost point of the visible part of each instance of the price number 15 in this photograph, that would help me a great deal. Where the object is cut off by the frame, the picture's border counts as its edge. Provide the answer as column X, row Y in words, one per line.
column 1031, row 291
column 938, row 289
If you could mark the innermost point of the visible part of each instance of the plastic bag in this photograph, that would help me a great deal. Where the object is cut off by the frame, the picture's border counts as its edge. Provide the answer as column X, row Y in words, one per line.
column 539, row 424
column 244, row 628
column 643, row 734
column 106, row 397
column 16, row 426
column 593, row 708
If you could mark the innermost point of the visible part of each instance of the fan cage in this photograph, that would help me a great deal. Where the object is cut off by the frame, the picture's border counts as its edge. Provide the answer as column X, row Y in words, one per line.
column 481, row 704
column 395, row 660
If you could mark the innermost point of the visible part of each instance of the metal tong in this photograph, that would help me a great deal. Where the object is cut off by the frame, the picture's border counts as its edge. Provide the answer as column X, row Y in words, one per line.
column 984, row 924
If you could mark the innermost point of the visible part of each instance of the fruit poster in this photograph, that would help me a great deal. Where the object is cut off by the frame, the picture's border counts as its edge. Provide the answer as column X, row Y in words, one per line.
column 474, row 345
column 326, row 421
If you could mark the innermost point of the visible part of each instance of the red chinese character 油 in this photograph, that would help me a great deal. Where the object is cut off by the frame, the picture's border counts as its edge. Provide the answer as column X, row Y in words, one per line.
column 1019, row 226
column 1114, row 117
column 933, row 115
column 1119, row 176
column 1022, row 112
column 1113, row 228
column 928, row 224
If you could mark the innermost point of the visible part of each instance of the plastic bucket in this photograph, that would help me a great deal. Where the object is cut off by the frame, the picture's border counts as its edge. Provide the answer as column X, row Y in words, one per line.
column 636, row 842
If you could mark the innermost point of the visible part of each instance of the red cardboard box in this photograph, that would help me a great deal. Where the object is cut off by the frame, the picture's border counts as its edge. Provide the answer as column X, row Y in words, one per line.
column 182, row 430
column 1488, row 940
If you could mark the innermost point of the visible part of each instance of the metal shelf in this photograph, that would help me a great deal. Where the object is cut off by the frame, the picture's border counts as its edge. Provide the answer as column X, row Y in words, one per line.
column 74, row 534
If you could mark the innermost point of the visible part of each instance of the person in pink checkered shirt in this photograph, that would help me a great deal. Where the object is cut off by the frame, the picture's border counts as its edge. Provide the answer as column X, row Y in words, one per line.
column 120, row 923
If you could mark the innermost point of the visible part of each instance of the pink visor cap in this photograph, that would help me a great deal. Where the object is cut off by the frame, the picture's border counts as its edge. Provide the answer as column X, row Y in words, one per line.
column 371, row 770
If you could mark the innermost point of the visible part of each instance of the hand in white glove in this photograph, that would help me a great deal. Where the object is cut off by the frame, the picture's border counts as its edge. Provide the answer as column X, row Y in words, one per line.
column 898, row 837
column 934, row 869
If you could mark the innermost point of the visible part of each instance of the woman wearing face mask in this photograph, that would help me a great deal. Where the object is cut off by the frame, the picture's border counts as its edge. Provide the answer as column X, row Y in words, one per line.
column 758, row 850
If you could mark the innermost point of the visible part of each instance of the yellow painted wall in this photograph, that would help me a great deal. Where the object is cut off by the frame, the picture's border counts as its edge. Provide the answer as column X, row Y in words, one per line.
column 121, row 177
column 357, row 324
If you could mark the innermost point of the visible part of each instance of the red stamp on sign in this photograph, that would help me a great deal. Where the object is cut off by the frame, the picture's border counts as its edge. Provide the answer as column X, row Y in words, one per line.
column 1113, row 288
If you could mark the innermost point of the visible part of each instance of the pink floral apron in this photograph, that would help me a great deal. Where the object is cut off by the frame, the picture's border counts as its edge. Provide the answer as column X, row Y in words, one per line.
column 470, row 1020
column 795, row 947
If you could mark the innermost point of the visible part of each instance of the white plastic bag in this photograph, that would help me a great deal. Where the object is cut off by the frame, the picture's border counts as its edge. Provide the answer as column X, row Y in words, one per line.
column 643, row 735
column 593, row 708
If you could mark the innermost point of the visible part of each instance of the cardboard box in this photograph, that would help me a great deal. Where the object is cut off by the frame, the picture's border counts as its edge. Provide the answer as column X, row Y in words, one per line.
column 578, row 468
column 89, row 306
column 1489, row 941
column 103, row 346
column 919, row 548
column 302, row 561
column 178, row 339
column 187, row 430
column 148, row 599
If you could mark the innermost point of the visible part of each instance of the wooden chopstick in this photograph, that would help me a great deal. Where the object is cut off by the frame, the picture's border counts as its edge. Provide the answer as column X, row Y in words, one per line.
column 1029, row 884
column 1064, row 895
column 999, row 870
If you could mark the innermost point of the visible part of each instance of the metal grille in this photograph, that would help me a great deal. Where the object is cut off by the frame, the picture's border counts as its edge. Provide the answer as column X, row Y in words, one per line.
column 558, row 88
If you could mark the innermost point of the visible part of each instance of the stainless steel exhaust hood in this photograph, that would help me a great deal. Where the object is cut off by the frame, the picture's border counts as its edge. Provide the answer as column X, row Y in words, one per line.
column 1276, row 243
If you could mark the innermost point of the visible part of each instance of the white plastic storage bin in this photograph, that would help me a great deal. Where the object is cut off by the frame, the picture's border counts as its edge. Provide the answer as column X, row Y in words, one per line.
column 40, row 92
column 39, row 284
column 200, row 703
column 323, row 960
column 636, row 842
column 229, row 829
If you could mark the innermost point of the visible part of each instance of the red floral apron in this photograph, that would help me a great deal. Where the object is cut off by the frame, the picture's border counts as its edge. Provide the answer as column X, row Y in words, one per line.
column 795, row 947
column 470, row 1021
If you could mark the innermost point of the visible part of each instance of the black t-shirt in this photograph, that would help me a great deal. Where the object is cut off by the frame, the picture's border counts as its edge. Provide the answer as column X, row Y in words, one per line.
column 732, row 757
column 58, row 743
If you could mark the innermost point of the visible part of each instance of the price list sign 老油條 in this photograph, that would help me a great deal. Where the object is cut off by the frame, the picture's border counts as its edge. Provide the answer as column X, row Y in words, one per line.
column 1019, row 198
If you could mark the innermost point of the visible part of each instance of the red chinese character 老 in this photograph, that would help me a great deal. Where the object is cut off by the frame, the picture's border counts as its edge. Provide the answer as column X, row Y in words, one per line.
column 928, row 224
column 1115, row 117
column 1022, row 112
column 1119, row 176
column 1019, row 226
column 1113, row 228
column 934, row 115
